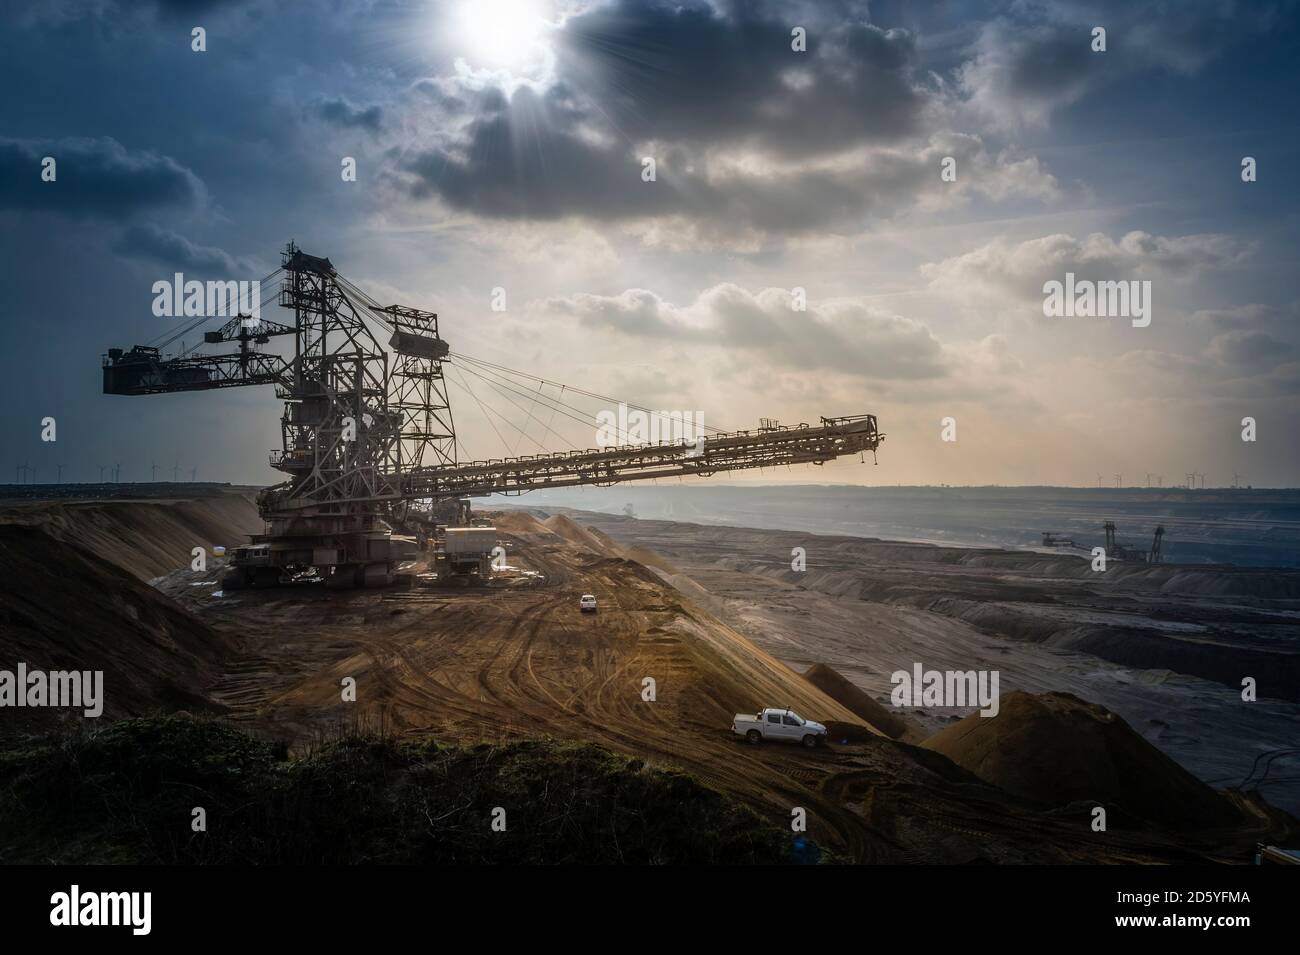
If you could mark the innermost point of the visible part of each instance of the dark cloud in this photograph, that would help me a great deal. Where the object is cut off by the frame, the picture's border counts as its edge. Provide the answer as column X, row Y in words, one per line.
column 680, row 81
column 520, row 165
column 150, row 241
column 1037, row 58
column 747, row 132
column 526, row 159
column 340, row 112
column 95, row 178
column 689, row 73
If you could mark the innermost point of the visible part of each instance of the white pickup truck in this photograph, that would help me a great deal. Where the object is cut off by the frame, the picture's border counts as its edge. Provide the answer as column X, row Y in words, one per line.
column 774, row 723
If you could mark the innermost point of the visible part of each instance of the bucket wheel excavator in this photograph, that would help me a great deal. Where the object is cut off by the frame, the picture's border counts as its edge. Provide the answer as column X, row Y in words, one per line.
column 368, row 441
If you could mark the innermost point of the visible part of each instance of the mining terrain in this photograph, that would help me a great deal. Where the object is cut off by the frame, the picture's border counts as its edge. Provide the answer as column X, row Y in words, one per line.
column 711, row 618
column 1164, row 646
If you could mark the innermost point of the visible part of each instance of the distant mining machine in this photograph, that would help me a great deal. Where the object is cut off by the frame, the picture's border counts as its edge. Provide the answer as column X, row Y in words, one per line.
column 1115, row 550
column 369, row 445
column 1119, row 551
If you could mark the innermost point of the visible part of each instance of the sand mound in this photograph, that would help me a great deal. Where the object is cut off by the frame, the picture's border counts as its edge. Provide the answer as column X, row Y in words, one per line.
column 856, row 701
column 648, row 557
column 641, row 555
column 516, row 522
column 148, row 538
column 1057, row 749
column 63, row 608
column 573, row 532
column 721, row 673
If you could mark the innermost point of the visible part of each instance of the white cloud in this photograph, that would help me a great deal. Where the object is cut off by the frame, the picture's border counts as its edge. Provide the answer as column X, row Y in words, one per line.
column 846, row 337
column 1021, row 268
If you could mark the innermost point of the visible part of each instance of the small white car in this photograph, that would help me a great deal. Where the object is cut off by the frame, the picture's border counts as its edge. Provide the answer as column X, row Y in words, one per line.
column 781, row 724
column 587, row 603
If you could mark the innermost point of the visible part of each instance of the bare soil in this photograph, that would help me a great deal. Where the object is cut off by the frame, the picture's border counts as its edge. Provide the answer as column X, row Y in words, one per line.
column 516, row 659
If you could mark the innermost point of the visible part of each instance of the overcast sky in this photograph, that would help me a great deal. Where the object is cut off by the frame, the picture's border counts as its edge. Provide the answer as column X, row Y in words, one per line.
column 502, row 145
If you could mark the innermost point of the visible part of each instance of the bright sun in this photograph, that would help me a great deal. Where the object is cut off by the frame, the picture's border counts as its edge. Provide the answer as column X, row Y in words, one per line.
column 502, row 33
